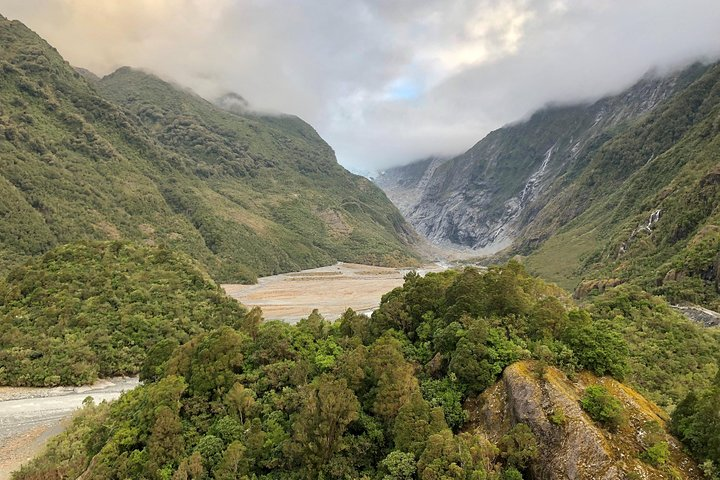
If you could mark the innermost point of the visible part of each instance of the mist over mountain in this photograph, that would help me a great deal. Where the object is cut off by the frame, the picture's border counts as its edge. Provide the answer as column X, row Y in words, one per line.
column 386, row 82
column 593, row 194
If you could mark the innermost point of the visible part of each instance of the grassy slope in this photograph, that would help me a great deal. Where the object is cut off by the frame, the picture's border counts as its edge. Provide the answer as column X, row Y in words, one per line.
column 244, row 195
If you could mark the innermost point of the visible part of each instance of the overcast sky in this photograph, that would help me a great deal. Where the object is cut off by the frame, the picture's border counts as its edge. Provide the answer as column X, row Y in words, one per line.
column 385, row 81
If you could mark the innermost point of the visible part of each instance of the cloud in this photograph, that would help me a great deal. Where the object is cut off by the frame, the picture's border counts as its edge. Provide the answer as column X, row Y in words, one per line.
column 385, row 82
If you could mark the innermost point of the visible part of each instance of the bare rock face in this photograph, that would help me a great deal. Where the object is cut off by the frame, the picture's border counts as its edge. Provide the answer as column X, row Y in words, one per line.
column 572, row 445
column 696, row 313
column 587, row 287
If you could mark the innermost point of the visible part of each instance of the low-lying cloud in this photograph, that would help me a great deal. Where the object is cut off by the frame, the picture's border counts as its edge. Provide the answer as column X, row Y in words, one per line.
column 385, row 82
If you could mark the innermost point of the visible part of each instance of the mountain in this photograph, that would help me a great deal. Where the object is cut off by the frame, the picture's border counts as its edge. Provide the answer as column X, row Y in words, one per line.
column 624, row 188
column 133, row 157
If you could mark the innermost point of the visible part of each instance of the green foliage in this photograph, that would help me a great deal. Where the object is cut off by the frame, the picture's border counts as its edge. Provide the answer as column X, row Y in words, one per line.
column 399, row 466
column 102, row 309
column 519, row 446
column 472, row 324
column 696, row 421
column 591, row 222
column 597, row 346
column 254, row 401
column 602, row 407
column 557, row 417
column 668, row 354
column 446, row 393
column 656, row 455
column 463, row 457
column 328, row 407
column 511, row 473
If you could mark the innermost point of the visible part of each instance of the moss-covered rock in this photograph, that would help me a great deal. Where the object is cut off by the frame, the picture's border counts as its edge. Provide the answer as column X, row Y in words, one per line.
column 577, row 447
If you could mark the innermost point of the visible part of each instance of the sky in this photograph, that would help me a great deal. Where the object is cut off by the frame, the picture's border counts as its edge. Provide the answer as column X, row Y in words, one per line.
column 385, row 82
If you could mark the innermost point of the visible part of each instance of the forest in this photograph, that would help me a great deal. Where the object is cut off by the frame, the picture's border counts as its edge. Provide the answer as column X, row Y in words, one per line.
column 91, row 310
column 385, row 397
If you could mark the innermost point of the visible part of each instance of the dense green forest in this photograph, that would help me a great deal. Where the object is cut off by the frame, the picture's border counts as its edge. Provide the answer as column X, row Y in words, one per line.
column 90, row 310
column 132, row 157
column 381, row 397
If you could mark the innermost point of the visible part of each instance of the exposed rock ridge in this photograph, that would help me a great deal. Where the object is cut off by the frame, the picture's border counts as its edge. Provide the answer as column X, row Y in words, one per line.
column 573, row 446
column 405, row 187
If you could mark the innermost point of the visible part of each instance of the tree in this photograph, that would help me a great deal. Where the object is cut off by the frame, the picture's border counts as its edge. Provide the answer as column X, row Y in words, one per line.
column 328, row 406
column 158, row 355
column 240, row 400
column 597, row 346
column 352, row 367
column 446, row 393
column 195, row 466
column 696, row 421
column 453, row 457
column 251, row 322
column 415, row 423
column 211, row 450
column 481, row 355
column 519, row 447
column 166, row 443
column 395, row 378
column 234, row 464
column 399, row 466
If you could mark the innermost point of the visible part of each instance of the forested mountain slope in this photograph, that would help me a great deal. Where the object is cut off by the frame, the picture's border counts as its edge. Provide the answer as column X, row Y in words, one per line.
column 483, row 197
column 646, row 208
column 134, row 157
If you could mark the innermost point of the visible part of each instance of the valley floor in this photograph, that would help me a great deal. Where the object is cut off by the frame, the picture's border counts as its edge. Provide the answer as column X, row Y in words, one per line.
column 30, row 416
column 332, row 290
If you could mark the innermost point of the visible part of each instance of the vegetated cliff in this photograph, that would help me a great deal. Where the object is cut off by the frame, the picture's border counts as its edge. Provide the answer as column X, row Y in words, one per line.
column 625, row 189
column 133, row 157
column 571, row 445
column 646, row 208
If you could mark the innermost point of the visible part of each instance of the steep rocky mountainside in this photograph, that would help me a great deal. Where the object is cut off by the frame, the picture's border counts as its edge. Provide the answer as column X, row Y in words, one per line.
column 133, row 157
column 625, row 188
column 570, row 443
column 481, row 198
column 406, row 185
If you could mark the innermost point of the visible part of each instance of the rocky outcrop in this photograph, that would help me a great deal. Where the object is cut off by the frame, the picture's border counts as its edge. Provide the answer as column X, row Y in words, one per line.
column 586, row 287
column 405, row 186
column 703, row 316
column 572, row 445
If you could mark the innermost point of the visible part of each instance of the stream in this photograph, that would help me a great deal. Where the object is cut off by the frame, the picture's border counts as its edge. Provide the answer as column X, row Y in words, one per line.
column 30, row 416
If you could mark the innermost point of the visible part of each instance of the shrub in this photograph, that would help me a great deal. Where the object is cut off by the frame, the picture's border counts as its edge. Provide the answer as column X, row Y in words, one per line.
column 656, row 455
column 603, row 407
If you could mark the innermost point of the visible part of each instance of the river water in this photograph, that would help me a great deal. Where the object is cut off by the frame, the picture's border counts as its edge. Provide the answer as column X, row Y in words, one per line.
column 29, row 416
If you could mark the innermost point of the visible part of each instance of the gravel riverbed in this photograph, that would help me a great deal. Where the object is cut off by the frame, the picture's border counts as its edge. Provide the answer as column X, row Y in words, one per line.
column 30, row 416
